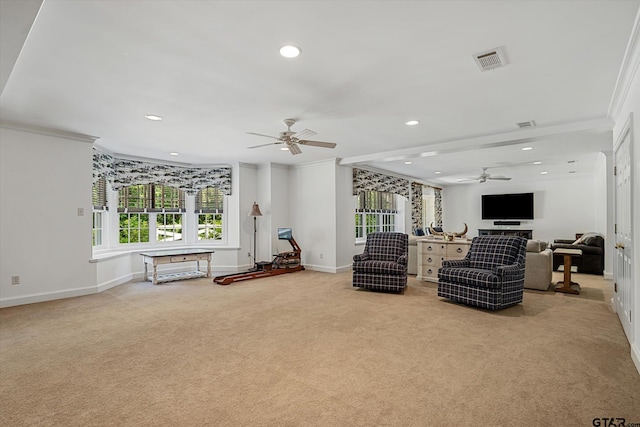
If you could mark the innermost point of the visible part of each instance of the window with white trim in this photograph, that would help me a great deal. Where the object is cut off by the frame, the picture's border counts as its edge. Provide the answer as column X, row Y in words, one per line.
column 146, row 207
column 99, row 196
column 209, row 211
column 375, row 211
column 428, row 206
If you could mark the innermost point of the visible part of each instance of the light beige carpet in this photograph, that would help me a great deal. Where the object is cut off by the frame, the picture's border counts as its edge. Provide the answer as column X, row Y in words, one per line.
column 308, row 349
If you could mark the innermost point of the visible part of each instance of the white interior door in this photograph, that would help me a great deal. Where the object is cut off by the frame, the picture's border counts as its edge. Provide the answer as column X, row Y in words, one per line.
column 623, row 250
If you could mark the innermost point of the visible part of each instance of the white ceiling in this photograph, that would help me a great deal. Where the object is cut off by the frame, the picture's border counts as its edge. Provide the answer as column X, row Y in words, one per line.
column 212, row 70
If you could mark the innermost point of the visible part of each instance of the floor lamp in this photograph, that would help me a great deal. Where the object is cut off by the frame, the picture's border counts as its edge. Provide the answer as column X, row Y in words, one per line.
column 255, row 212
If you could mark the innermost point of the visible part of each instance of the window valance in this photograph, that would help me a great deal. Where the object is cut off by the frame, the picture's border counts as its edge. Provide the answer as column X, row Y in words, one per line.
column 364, row 180
column 416, row 205
column 121, row 173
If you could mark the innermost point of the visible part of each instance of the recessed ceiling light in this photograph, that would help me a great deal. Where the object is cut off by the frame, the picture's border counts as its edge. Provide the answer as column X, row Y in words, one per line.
column 153, row 117
column 407, row 163
column 290, row 51
column 173, row 153
column 412, row 122
column 544, row 173
column 527, row 148
column 537, row 163
column 437, row 172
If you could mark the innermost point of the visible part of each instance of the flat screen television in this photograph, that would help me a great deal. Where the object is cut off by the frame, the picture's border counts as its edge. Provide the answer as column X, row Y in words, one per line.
column 507, row 206
column 284, row 234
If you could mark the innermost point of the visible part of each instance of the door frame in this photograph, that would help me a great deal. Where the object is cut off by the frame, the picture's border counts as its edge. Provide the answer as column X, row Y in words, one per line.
column 626, row 131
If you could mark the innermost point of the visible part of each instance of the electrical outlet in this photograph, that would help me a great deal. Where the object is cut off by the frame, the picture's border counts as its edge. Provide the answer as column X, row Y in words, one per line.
column 80, row 211
column 321, row 256
column 249, row 254
column 15, row 280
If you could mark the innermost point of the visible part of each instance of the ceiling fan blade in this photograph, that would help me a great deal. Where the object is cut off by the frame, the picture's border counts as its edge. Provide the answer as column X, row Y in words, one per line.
column 318, row 144
column 502, row 178
column 305, row 133
column 294, row 149
column 264, row 145
column 261, row 134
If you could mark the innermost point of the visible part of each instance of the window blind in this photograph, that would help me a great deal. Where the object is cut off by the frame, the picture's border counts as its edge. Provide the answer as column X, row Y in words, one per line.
column 376, row 201
column 150, row 198
column 210, row 200
column 99, row 194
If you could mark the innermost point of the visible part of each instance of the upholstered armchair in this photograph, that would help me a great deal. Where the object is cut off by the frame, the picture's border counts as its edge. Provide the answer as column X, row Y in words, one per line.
column 383, row 264
column 490, row 276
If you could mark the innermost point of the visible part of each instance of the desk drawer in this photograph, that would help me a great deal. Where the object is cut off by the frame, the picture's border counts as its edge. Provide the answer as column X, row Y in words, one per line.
column 432, row 260
column 433, row 248
column 184, row 258
column 430, row 272
column 457, row 251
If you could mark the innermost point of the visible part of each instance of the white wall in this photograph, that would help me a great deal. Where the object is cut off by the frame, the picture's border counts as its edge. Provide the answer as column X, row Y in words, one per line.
column 279, row 209
column 345, row 219
column 562, row 207
column 313, row 215
column 44, row 180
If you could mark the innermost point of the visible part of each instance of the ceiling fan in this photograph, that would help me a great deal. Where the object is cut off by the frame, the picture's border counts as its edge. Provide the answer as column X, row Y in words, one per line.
column 484, row 176
column 293, row 139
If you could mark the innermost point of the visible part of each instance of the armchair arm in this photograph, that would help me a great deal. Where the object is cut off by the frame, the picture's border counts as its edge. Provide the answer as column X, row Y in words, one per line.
column 455, row 263
column 504, row 270
column 361, row 257
column 566, row 241
column 402, row 259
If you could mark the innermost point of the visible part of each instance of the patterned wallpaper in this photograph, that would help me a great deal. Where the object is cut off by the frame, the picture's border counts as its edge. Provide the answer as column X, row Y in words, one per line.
column 122, row 173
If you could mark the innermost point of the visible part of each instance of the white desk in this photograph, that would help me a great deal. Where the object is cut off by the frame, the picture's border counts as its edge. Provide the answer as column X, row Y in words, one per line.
column 156, row 258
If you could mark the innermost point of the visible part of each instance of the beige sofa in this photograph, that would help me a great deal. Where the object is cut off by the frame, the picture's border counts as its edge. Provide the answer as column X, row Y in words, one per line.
column 538, row 269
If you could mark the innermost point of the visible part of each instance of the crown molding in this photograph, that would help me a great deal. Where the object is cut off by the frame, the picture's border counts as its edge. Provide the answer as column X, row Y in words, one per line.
column 628, row 71
column 41, row 130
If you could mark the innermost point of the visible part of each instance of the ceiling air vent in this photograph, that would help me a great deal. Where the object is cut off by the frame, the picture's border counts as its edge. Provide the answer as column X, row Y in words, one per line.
column 528, row 124
column 491, row 59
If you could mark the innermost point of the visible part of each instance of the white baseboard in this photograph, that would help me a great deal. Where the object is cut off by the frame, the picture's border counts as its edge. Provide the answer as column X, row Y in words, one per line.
column 325, row 269
column 48, row 296
column 635, row 355
column 115, row 282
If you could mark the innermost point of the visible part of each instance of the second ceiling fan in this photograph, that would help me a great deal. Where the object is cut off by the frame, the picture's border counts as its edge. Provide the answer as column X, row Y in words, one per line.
column 293, row 139
column 484, row 176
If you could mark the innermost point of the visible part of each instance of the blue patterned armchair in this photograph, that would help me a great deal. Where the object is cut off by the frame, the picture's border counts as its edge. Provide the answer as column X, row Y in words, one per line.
column 383, row 264
column 490, row 276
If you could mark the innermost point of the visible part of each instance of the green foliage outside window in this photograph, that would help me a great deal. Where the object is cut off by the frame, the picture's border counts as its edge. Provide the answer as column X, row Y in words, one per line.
column 168, row 227
column 210, row 227
column 133, row 228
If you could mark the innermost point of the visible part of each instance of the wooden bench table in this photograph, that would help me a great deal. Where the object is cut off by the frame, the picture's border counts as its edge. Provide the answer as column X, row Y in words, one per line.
column 156, row 258
column 567, row 286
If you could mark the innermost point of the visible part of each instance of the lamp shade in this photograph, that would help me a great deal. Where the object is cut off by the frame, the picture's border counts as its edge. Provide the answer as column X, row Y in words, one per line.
column 255, row 210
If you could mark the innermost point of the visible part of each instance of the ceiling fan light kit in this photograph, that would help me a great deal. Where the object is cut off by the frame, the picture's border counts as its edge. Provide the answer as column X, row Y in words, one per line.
column 293, row 139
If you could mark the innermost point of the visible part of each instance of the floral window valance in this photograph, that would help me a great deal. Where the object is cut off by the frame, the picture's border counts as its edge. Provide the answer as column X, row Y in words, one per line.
column 364, row 180
column 122, row 173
